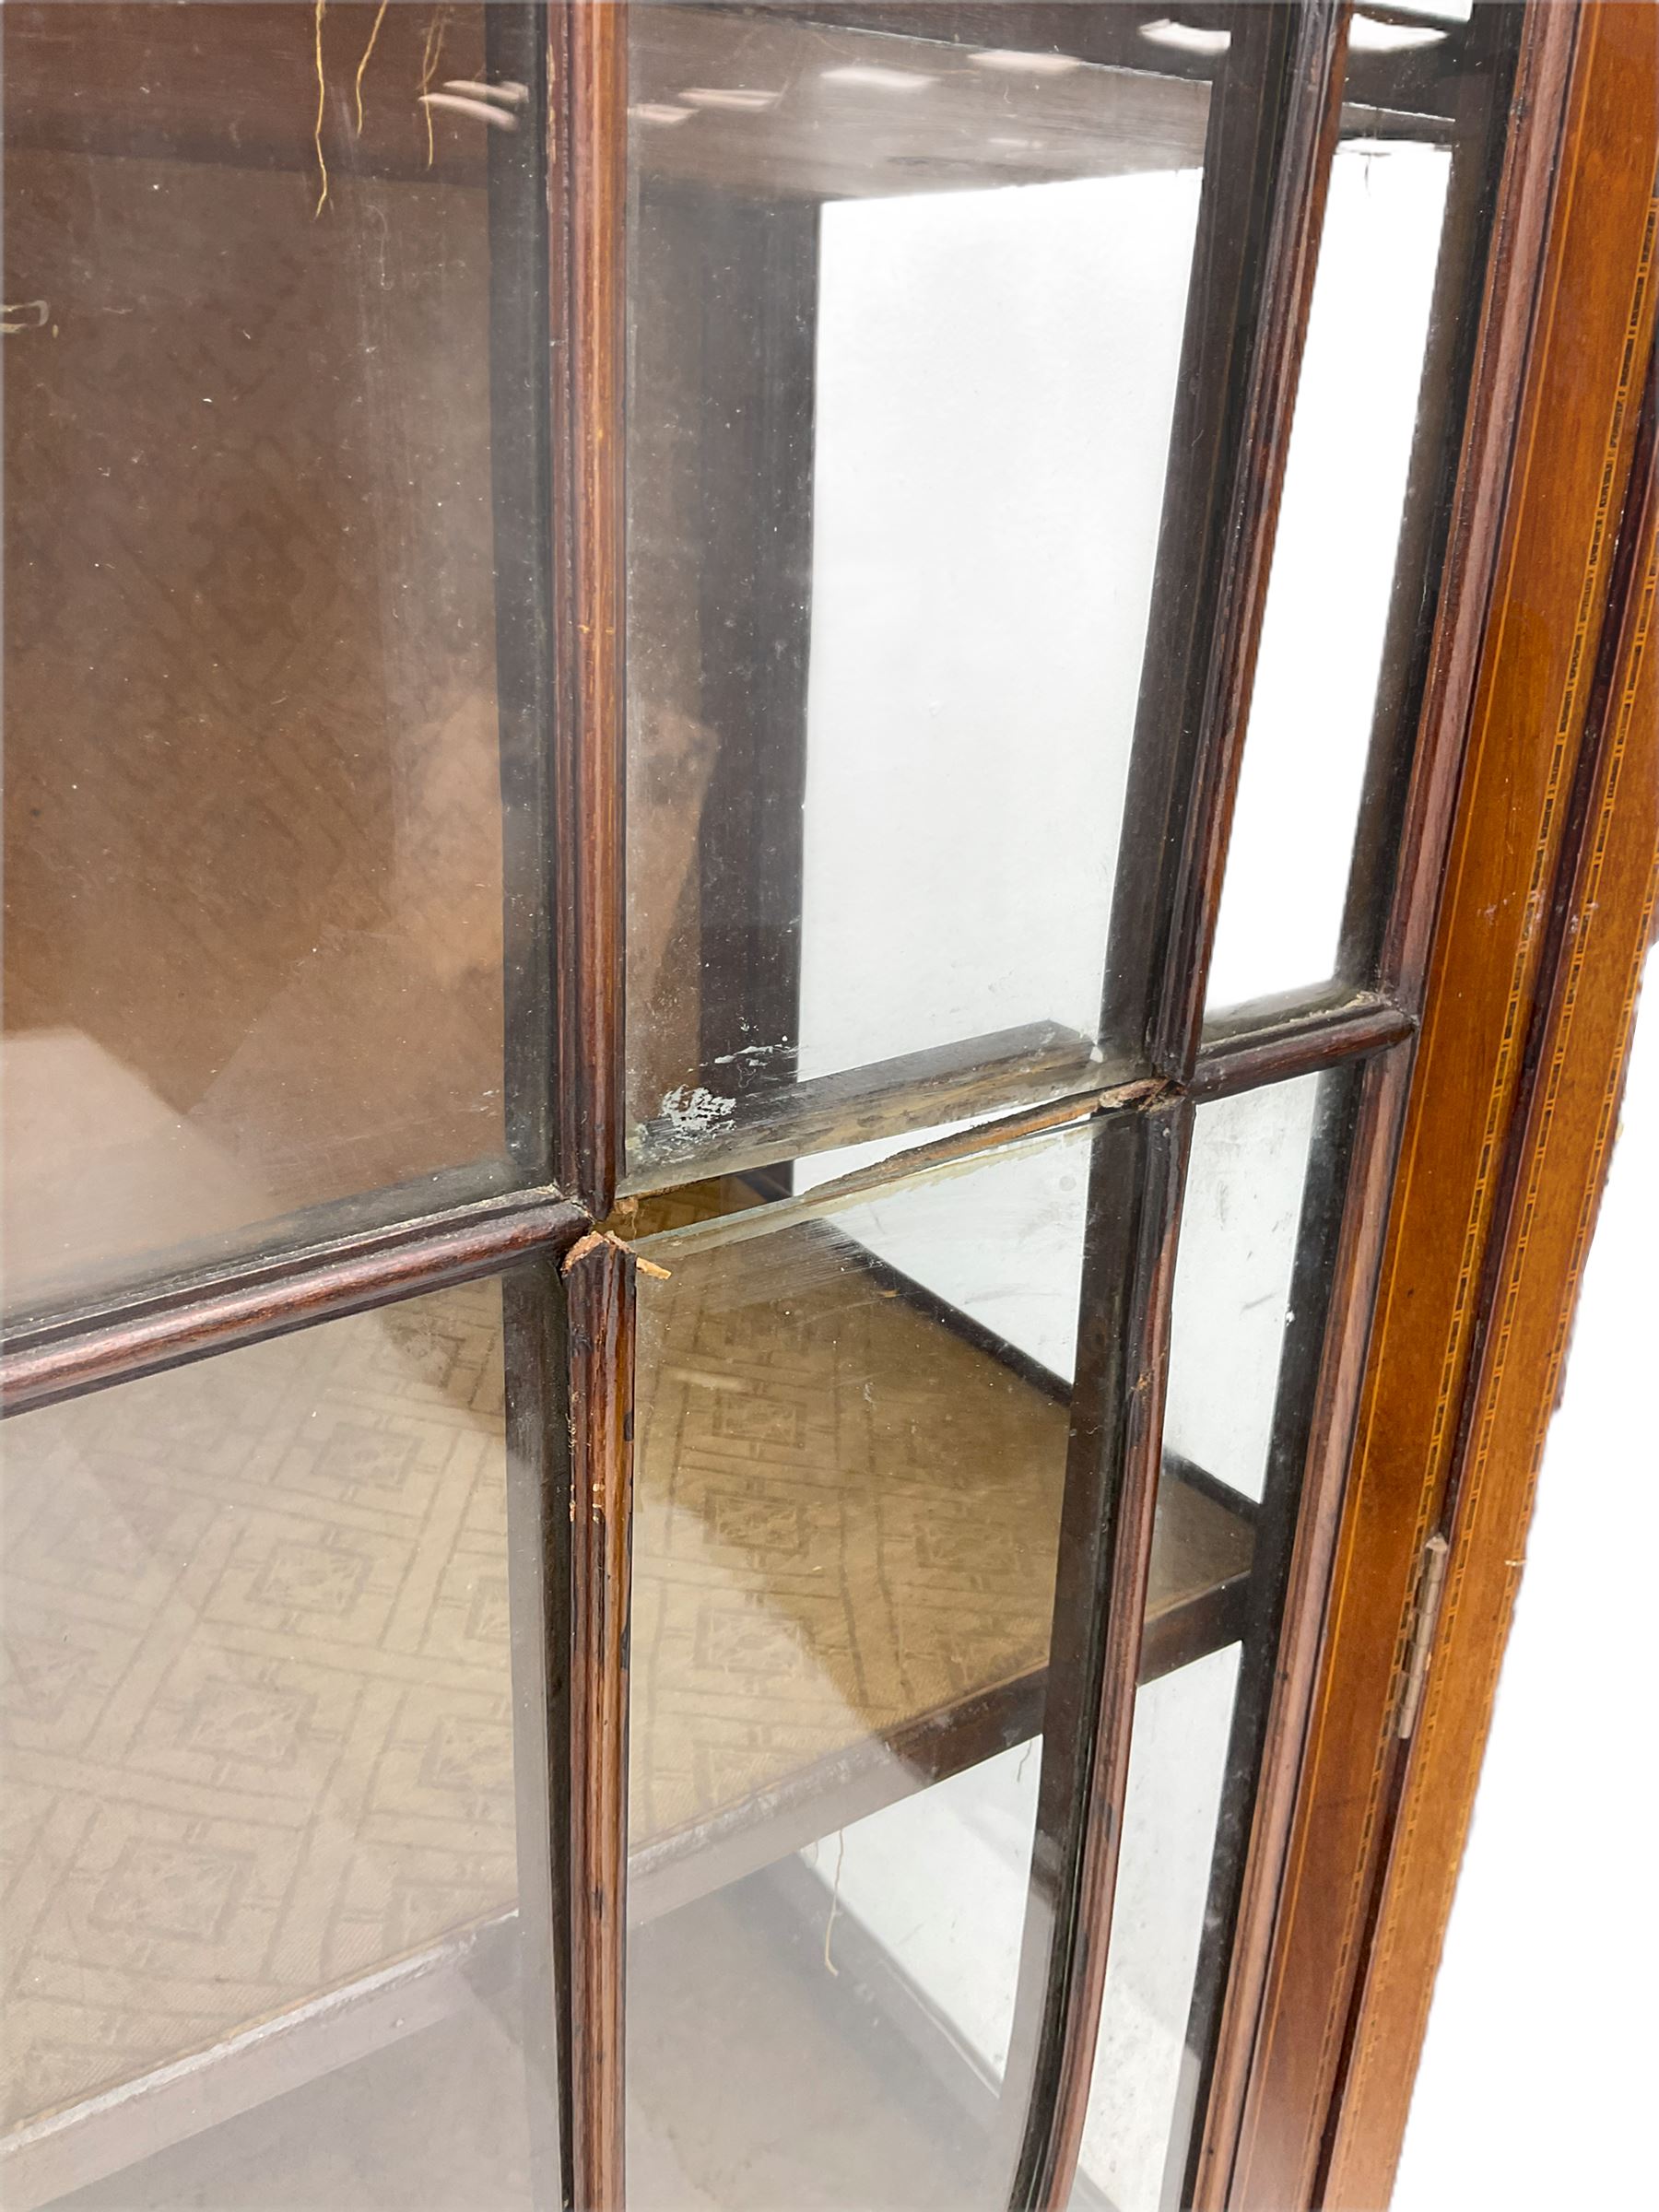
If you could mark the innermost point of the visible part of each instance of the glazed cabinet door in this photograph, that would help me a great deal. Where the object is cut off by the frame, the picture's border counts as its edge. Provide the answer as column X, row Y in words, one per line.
column 732, row 731
column 1041, row 435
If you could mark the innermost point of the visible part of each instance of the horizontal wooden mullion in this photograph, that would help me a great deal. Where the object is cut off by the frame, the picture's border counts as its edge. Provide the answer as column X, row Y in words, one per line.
column 272, row 1296
column 1282, row 1043
column 913, row 1092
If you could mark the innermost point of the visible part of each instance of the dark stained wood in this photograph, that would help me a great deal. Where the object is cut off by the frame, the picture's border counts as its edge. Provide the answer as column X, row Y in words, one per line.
column 1481, row 93
column 270, row 1296
column 592, row 1722
column 1558, row 1159
column 1274, row 117
column 1276, row 1044
column 1334, row 1277
column 915, row 1091
column 520, row 425
column 1474, row 538
column 1560, row 426
column 1135, row 1182
column 753, row 272
column 536, row 1372
column 1336, row 1396
column 587, row 88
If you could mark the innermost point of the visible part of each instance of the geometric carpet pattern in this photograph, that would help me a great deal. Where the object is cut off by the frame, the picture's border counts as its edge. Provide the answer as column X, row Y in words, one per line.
column 256, row 1702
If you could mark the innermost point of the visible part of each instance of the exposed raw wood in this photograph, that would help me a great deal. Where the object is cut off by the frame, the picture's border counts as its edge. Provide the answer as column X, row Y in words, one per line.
column 1026, row 1065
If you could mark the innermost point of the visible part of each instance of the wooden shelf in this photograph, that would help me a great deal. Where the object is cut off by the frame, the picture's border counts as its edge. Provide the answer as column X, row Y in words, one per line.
column 815, row 1446
column 847, row 1506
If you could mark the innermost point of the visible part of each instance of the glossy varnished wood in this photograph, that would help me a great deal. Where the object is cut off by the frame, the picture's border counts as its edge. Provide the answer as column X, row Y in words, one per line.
column 270, row 1296
column 1559, row 1149
column 1279, row 1042
column 599, row 1292
column 1565, row 449
column 1274, row 118
column 1136, row 1182
column 587, row 93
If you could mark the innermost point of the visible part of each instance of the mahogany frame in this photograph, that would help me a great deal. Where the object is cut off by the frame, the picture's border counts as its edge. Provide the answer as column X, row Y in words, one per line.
column 1347, row 1880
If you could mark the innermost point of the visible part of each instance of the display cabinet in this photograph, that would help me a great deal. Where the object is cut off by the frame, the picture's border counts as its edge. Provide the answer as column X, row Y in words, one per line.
column 827, row 830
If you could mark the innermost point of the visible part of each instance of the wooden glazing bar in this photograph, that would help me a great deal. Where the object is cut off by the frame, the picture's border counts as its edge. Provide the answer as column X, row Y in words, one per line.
column 944, row 1156
column 1474, row 536
column 754, row 264
column 1112, row 1460
column 591, row 1717
column 1583, row 331
column 1277, row 1045
column 1273, row 115
column 587, row 97
column 1216, row 2073
column 1400, row 726
column 536, row 1372
column 520, row 424
column 1333, row 1272
column 889, row 1097
column 269, row 1297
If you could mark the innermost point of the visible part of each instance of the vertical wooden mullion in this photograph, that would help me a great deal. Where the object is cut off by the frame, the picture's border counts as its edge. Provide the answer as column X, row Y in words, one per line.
column 533, row 1305
column 1275, row 109
column 1427, row 528
column 1136, row 1179
column 538, row 1521
column 587, row 100
column 592, row 1725
column 1272, row 136
column 588, row 1572
column 1330, row 1291
column 515, row 53
column 755, row 265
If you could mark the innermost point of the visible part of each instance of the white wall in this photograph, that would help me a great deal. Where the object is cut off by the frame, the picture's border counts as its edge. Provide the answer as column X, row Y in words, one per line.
column 996, row 379
column 1536, row 2085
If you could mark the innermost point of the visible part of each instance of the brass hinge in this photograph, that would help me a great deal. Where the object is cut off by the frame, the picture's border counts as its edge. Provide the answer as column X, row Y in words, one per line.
column 1431, row 1583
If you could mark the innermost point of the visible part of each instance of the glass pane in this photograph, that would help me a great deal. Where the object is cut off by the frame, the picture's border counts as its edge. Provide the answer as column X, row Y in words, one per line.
column 1366, row 488
column 906, row 322
column 254, row 862
column 1177, row 1770
column 259, row 1928
column 852, row 1436
column 1252, row 1286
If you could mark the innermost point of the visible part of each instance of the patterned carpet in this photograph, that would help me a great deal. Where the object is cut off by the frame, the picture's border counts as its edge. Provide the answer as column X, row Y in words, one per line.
column 257, row 1703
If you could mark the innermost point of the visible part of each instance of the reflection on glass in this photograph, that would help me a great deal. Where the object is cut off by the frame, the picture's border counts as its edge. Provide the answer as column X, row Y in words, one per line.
column 1333, row 570
column 259, row 1779
column 1367, row 497
column 1177, row 1767
column 253, row 812
column 906, row 319
column 852, row 1443
column 1251, row 1284
column 1239, row 1240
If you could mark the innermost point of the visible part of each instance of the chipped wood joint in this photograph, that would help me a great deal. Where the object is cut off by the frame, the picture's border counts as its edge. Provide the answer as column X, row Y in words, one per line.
column 596, row 1240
